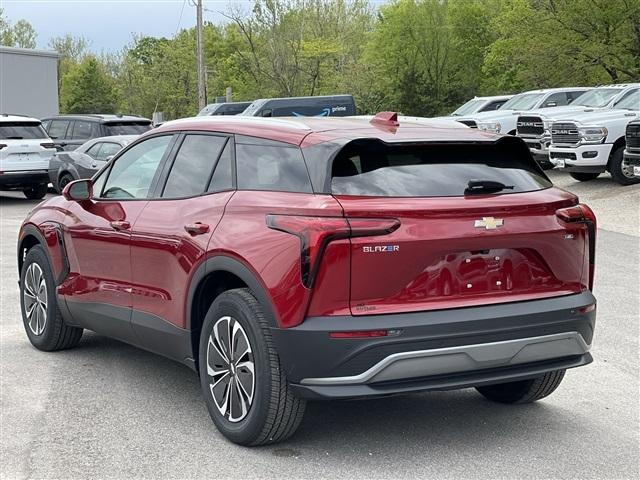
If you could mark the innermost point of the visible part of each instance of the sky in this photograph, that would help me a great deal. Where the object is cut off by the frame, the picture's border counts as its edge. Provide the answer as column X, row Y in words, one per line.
column 109, row 25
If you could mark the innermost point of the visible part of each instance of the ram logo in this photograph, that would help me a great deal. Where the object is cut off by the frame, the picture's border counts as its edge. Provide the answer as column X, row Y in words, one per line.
column 529, row 124
column 564, row 132
column 380, row 248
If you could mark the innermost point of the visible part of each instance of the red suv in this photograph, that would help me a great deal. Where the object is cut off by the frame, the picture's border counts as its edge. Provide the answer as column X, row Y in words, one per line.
column 311, row 258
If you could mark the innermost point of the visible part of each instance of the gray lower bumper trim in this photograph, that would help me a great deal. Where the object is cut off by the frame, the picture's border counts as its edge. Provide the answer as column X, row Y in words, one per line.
column 464, row 358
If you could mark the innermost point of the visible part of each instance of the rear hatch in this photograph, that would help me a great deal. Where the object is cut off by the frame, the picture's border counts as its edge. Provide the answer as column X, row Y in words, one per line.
column 24, row 146
column 478, row 225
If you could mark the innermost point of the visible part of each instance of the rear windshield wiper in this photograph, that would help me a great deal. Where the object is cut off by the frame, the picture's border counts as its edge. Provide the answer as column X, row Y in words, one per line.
column 485, row 186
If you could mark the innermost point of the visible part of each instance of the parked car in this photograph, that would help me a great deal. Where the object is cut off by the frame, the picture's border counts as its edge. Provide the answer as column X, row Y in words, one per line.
column 228, row 108
column 25, row 150
column 320, row 106
column 504, row 119
column 86, row 160
column 591, row 143
column 632, row 150
column 70, row 131
column 481, row 104
column 252, row 250
column 533, row 127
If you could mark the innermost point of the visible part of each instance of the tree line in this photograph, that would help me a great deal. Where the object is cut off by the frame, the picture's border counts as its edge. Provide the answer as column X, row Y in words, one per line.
column 418, row 57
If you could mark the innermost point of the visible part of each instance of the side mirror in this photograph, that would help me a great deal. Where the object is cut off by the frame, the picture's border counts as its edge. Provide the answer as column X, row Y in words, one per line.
column 108, row 159
column 78, row 190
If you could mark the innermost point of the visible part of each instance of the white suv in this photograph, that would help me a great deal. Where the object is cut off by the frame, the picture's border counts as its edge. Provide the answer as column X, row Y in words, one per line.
column 25, row 151
column 593, row 142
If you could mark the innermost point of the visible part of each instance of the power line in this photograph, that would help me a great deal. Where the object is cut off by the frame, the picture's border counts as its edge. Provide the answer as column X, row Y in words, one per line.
column 180, row 18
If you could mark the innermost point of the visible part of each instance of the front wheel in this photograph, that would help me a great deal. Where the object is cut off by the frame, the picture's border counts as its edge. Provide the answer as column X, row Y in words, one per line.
column 620, row 169
column 524, row 391
column 35, row 192
column 243, row 383
column 41, row 316
column 584, row 177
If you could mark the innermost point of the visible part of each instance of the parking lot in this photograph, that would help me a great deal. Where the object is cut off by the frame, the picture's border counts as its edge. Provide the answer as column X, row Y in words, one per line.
column 108, row 410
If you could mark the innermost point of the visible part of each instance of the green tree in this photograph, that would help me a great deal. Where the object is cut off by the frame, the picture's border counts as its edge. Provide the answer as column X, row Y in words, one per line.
column 21, row 35
column 87, row 88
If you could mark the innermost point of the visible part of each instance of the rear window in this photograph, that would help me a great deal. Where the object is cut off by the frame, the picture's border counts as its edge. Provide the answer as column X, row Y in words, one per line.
column 126, row 128
column 371, row 168
column 21, row 131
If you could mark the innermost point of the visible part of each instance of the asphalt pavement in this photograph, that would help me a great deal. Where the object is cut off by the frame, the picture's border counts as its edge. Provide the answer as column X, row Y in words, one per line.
column 108, row 410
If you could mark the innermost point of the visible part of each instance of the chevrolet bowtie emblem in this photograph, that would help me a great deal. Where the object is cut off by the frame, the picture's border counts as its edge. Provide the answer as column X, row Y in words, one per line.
column 489, row 223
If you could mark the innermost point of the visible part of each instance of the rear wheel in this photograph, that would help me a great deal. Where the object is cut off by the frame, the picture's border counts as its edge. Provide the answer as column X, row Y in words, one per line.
column 584, row 177
column 41, row 316
column 64, row 179
column 525, row 391
column 245, row 389
column 620, row 169
column 35, row 192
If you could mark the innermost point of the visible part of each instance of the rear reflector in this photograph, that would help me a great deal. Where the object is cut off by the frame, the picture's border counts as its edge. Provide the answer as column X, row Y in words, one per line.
column 587, row 309
column 316, row 232
column 359, row 334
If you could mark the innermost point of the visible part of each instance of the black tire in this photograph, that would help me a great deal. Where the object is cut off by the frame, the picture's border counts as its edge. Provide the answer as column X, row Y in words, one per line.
column 620, row 171
column 55, row 334
column 35, row 192
column 584, row 177
column 525, row 391
column 274, row 413
column 63, row 180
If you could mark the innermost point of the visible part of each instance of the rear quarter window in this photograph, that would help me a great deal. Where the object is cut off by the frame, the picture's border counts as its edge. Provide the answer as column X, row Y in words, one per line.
column 271, row 166
column 372, row 168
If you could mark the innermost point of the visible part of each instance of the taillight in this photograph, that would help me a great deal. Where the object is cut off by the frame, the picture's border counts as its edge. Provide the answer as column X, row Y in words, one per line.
column 316, row 232
column 48, row 145
column 583, row 214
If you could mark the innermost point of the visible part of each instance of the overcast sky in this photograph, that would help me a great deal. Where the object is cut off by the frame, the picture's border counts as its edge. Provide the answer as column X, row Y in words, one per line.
column 109, row 24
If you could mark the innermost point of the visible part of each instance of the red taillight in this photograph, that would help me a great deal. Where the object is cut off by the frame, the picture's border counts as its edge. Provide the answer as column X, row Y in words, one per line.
column 587, row 309
column 48, row 145
column 316, row 232
column 583, row 214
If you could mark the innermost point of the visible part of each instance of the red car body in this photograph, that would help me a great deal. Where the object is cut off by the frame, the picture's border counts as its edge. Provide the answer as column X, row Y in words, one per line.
column 346, row 280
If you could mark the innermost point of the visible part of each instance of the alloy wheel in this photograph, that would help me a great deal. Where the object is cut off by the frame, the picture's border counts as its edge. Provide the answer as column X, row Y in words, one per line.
column 35, row 299
column 230, row 366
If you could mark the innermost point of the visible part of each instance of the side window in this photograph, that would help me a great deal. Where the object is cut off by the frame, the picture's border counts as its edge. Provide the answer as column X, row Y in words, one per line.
column 108, row 149
column 626, row 95
column 274, row 168
column 132, row 175
column 192, row 167
column 94, row 149
column 555, row 100
column 81, row 130
column 222, row 178
column 58, row 129
column 493, row 105
column 571, row 96
column 46, row 124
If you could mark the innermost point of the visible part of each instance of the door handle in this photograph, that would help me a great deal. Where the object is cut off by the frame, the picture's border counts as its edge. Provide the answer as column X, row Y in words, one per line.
column 120, row 225
column 196, row 228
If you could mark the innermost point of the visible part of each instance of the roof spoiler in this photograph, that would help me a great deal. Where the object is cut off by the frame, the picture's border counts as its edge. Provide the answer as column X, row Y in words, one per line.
column 389, row 119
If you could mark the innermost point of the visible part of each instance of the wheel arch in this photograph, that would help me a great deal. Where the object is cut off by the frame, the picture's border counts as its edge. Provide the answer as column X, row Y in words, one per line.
column 52, row 240
column 619, row 143
column 215, row 275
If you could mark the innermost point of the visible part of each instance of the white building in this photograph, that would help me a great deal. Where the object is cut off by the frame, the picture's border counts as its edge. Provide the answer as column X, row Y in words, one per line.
column 28, row 82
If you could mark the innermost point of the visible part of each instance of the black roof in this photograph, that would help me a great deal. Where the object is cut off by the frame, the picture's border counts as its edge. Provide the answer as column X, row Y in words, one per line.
column 103, row 118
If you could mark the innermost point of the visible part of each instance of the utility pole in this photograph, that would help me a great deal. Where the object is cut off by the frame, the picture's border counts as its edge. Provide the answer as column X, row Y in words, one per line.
column 202, row 89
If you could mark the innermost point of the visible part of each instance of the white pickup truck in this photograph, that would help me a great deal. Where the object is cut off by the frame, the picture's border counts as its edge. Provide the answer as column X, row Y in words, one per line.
column 632, row 151
column 505, row 118
column 591, row 143
column 533, row 126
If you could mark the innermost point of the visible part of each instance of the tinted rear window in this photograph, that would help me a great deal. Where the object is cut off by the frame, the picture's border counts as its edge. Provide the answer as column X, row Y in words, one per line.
column 21, row 130
column 128, row 128
column 371, row 168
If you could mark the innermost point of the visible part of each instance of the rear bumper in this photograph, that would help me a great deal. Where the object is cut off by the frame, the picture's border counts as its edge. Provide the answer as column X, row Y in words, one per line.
column 23, row 178
column 437, row 350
